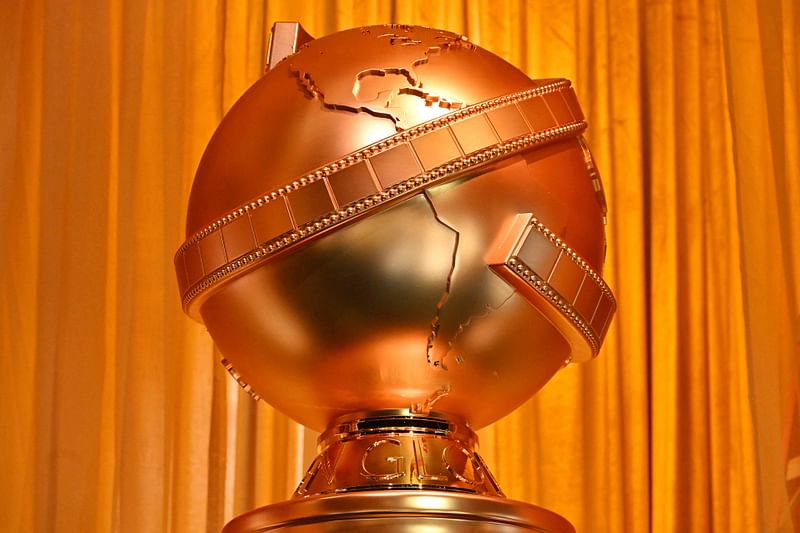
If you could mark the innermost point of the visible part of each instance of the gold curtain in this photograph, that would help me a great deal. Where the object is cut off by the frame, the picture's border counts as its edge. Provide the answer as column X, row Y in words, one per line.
column 115, row 415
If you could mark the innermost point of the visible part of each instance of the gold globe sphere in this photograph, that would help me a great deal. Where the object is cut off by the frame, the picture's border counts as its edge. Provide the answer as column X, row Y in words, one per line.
column 395, row 218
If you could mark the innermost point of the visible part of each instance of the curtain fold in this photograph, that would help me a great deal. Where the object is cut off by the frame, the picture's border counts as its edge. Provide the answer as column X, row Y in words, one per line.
column 761, row 50
column 115, row 414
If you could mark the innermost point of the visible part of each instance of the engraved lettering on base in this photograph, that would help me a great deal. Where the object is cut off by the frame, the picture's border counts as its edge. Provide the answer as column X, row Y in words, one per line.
column 476, row 467
column 421, row 468
column 399, row 462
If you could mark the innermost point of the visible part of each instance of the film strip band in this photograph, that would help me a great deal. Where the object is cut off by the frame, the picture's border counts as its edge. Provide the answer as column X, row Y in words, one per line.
column 361, row 181
column 549, row 273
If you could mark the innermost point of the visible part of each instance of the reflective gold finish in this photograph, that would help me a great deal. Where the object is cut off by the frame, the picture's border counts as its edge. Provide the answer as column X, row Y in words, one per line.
column 398, row 449
column 401, row 511
column 393, row 221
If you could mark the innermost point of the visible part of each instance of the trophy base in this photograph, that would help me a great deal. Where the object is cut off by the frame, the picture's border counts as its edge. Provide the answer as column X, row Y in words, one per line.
column 400, row 511
column 399, row 471
column 395, row 450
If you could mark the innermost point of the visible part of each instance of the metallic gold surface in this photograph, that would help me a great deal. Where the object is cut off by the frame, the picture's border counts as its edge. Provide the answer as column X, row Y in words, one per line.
column 368, row 179
column 397, row 237
column 402, row 511
column 398, row 449
column 286, row 38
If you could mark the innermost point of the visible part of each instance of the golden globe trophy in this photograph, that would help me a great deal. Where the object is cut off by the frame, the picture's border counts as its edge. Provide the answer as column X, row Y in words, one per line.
column 396, row 237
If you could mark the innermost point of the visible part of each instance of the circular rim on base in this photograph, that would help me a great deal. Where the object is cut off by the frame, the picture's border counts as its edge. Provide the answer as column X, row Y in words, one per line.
column 390, row 504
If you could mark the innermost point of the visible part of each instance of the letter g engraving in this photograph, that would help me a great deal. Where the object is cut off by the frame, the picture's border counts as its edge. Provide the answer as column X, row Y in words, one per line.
column 399, row 461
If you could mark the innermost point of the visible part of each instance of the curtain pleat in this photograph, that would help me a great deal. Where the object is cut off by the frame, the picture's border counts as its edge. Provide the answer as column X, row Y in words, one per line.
column 115, row 414
column 762, row 78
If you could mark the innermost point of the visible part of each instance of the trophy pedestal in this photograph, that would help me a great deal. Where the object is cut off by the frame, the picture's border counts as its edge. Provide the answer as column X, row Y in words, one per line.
column 400, row 511
column 358, row 244
column 399, row 471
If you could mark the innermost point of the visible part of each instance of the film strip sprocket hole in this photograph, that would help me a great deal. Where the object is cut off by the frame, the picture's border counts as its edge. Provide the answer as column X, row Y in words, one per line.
column 547, row 272
column 363, row 180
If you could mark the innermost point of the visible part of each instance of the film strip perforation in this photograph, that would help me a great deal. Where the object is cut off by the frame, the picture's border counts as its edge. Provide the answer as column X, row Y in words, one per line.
column 542, row 287
column 585, row 322
column 380, row 147
column 353, row 210
column 385, row 185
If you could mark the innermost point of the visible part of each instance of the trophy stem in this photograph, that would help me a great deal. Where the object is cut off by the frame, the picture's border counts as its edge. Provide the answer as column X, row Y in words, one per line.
column 398, row 471
column 398, row 449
